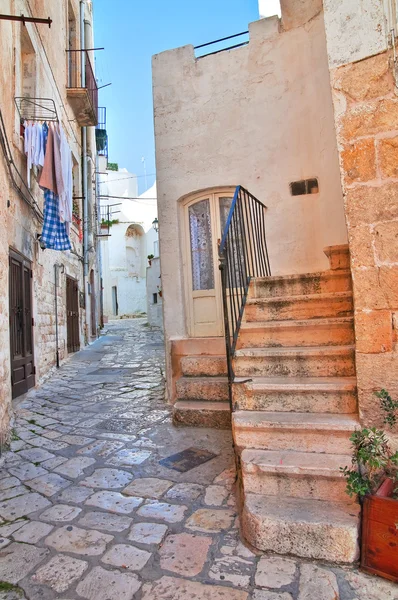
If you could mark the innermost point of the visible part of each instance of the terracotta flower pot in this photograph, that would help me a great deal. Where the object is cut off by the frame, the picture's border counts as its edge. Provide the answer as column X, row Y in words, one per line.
column 380, row 533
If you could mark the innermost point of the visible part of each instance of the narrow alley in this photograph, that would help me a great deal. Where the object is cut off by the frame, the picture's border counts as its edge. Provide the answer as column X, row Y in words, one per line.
column 91, row 509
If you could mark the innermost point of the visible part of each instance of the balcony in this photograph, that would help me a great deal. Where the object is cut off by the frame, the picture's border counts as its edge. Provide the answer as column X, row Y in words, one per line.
column 82, row 92
column 101, row 135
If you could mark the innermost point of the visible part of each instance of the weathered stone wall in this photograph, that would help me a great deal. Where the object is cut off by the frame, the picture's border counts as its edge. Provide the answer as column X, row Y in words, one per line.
column 20, row 226
column 366, row 117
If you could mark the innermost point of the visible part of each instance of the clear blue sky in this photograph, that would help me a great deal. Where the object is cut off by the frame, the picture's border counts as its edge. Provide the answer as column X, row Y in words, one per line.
column 131, row 32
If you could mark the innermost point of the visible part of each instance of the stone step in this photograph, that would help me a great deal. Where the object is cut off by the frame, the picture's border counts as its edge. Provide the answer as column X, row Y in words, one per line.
column 297, row 394
column 204, row 366
column 310, row 306
column 213, row 389
column 339, row 256
column 299, row 432
column 310, row 332
column 301, row 284
column 195, row 413
column 315, row 361
column 303, row 527
column 295, row 474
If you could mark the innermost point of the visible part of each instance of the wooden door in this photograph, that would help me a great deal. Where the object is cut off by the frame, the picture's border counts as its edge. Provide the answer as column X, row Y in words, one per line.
column 204, row 218
column 21, row 324
column 72, row 315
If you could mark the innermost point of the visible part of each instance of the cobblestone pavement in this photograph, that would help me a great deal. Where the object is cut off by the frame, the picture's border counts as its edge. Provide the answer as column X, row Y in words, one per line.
column 88, row 512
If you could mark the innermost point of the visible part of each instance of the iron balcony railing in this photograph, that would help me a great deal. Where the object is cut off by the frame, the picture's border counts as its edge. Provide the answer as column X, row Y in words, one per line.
column 243, row 255
column 101, row 134
column 75, row 79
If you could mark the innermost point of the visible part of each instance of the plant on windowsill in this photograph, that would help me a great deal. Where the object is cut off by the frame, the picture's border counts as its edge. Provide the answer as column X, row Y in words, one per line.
column 374, row 479
column 108, row 224
column 160, row 291
column 150, row 257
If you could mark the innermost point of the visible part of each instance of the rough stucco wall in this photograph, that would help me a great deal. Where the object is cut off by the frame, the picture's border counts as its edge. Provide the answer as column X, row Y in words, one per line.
column 366, row 114
column 355, row 29
column 260, row 116
column 153, row 285
column 19, row 225
column 117, row 262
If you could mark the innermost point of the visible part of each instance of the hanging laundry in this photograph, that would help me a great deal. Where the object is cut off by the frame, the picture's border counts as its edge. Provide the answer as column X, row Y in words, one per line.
column 54, row 235
column 28, row 149
column 33, row 146
column 57, row 183
column 45, row 136
column 48, row 179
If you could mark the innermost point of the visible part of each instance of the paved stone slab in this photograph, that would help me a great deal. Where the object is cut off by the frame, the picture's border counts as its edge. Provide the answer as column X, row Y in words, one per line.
column 32, row 532
column 48, row 484
column 107, row 479
column 216, row 495
column 233, row 569
column 317, row 582
column 127, row 458
column 60, row 513
column 101, row 448
column 7, row 530
column 171, row 588
column 60, row 572
column 76, row 494
column 18, row 560
column 106, row 521
column 22, row 505
column 147, row 533
column 9, row 482
column 148, row 487
column 184, row 491
column 210, row 520
column 114, row 502
column 170, row 513
column 126, row 557
column 101, row 584
column 371, row 588
column 36, row 455
column 266, row 595
column 51, row 463
column 27, row 471
column 76, row 440
column 184, row 553
column 13, row 492
column 75, row 466
column 275, row 572
column 78, row 541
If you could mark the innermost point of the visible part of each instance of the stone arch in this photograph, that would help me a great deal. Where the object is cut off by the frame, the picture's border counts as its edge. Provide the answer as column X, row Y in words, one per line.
column 135, row 241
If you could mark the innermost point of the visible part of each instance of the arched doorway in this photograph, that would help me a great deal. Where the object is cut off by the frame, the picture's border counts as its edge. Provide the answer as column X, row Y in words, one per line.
column 204, row 219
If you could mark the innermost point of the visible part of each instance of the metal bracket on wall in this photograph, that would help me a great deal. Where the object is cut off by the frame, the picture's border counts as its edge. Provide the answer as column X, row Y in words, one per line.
column 22, row 19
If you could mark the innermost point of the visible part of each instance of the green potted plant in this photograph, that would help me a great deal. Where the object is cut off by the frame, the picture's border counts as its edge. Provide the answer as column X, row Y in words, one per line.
column 373, row 477
column 150, row 257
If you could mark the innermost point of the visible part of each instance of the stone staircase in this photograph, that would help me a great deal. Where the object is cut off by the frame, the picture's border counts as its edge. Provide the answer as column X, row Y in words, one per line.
column 295, row 407
column 201, row 387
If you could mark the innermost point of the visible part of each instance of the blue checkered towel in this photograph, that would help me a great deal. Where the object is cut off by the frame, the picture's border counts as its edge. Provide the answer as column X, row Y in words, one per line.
column 54, row 235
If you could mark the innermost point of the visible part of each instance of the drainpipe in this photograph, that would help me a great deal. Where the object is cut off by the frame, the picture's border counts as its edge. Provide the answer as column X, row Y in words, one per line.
column 56, row 267
column 84, row 166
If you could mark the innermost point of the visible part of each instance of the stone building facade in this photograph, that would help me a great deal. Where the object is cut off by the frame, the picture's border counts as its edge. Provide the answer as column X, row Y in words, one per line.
column 298, row 123
column 127, row 239
column 363, row 72
column 40, row 80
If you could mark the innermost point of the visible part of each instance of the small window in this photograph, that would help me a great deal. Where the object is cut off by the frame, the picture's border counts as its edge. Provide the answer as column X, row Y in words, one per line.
column 305, row 186
column 155, row 298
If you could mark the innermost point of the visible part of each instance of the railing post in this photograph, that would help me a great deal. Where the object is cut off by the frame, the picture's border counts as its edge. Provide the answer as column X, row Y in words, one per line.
column 222, row 267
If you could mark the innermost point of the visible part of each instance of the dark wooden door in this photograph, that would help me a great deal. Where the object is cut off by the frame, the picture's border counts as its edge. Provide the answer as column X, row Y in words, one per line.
column 72, row 315
column 21, row 325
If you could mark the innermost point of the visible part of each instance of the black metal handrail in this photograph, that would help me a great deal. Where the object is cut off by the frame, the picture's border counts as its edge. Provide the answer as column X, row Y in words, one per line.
column 243, row 255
